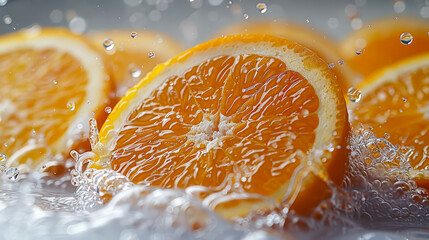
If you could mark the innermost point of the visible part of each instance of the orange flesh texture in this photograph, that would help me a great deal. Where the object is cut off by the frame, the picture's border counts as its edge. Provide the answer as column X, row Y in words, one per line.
column 383, row 46
column 405, row 121
column 316, row 41
column 31, row 84
column 229, row 119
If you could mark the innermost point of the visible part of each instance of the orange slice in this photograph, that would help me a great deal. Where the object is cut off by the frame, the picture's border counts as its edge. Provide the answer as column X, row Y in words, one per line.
column 240, row 115
column 52, row 81
column 396, row 101
column 316, row 41
column 379, row 45
column 133, row 54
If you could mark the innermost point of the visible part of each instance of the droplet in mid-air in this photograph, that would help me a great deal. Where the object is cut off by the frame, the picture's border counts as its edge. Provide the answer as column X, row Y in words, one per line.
column 151, row 54
column 133, row 34
column 262, row 7
column 404, row 100
column 71, row 106
column 331, row 65
column 341, row 62
column 108, row 109
column 108, row 44
column 358, row 51
column 406, row 38
column 354, row 94
column 245, row 16
column 134, row 70
column 2, row 158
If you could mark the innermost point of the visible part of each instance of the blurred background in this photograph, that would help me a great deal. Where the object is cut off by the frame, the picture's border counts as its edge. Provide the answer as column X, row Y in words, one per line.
column 194, row 21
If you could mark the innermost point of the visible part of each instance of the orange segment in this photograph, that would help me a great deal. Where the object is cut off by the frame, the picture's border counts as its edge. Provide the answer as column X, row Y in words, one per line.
column 395, row 101
column 316, row 41
column 130, row 55
column 381, row 46
column 244, row 111
column 51, row 82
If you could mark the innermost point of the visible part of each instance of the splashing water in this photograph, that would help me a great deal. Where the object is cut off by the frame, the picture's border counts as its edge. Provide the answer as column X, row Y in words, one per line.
column 377, row 192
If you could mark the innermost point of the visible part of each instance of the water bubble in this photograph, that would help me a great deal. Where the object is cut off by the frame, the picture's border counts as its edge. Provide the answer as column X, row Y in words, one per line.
column 151, row 54
column 134, row 70
column 3, row 3
column 108, row 109
column 108, row 44
column 331, row 65
column 246, row 16
column 358, row 51
column 71, row 106
column 262, row 7
column 354, row 94
column 406, row 38
column 341, row 62
column 133, row 34
column 12, row 173
column 7, row 19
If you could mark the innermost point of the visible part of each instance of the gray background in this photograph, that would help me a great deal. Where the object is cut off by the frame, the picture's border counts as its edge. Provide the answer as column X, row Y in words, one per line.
column 193, row 22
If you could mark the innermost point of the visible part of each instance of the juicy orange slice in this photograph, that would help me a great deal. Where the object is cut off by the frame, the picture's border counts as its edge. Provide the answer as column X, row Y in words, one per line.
column 132, row 54
column 316, row 41
column 243, row 114
column 379, row 45
column 396, row 101
column 51, row 83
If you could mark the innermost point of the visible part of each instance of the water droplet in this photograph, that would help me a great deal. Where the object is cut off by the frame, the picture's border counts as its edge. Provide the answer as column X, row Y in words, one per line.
column 54, row 82
column 358, row 51
column 108, row 109
column 406, row 38
column 134, row 70
column 56, row 16
column 133, row 34
column 305, row 112
column 12, row 173
column 108, row 44
column 77, row 25
column 354, row 94
column 151, row 54
column 331, row 65
column 262, row 7
column 246, row 16
column 307, row 20
column 3, row 3
column 404, row 100
column 7, row 19
column 3, row 158
column 386, row 135
column 33, row 132
column 341, row 62
column 399, row 6
column 71, row 106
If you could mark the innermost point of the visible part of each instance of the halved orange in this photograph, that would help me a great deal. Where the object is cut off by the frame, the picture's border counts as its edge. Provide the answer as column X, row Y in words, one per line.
column 395, row 101
column 239, row 115
column 379, row 45
column 133, row 54
column 318, row 42
column 51, row 83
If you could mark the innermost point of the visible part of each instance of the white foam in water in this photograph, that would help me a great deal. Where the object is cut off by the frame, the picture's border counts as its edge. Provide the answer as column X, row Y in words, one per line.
column 377, row 201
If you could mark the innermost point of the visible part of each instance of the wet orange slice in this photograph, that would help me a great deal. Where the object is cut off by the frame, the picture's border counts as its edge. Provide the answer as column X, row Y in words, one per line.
column 133, row 53
column 396, row 101
column 316, row 41
column 51, row 83
column 246, row 114
column 379, row 45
